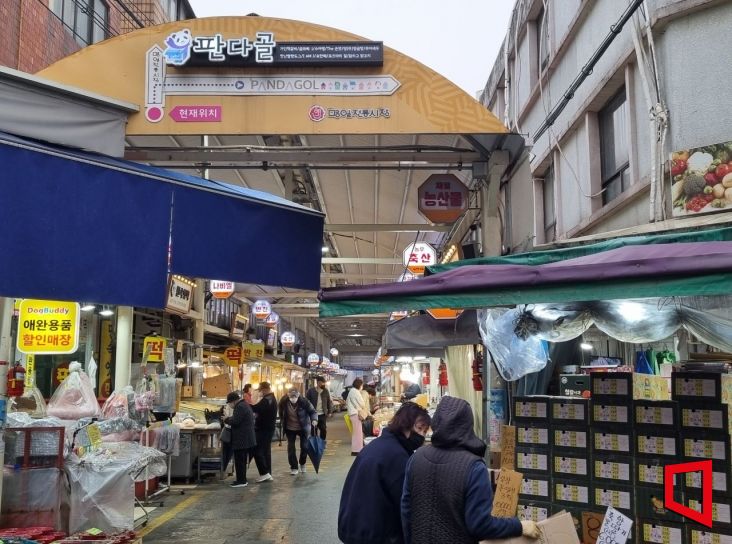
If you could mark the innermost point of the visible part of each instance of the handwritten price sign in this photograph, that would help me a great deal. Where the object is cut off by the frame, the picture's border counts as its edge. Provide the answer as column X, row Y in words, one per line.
column 615, row 528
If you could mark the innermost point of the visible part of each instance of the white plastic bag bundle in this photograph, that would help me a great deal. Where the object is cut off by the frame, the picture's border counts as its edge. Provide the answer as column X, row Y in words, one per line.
column 75, row 397
column 31, row 402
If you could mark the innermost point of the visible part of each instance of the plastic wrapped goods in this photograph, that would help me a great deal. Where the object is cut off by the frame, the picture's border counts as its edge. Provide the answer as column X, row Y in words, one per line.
column 75, row 397
column 31, row 402
column 119, row 404
column 33, row 498
column 165, row 395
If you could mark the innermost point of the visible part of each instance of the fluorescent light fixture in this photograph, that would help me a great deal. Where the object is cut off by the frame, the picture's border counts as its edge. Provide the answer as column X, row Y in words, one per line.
column 587, row 347
column 288, row 386
column 88, row 307
column 355, row 334
column 106, row 311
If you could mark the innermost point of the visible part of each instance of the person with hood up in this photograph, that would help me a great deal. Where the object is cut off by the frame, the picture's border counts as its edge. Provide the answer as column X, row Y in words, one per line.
column 264, row 428
column 447, row 495
column 243, row 439
column 297, row 416
column 373, row 487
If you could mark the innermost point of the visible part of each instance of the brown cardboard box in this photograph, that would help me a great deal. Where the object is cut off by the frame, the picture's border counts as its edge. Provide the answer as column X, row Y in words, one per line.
column 558, row 529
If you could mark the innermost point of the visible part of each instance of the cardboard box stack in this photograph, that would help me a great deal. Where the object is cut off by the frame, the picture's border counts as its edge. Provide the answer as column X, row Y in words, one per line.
column 533, row 456
column 705, row 435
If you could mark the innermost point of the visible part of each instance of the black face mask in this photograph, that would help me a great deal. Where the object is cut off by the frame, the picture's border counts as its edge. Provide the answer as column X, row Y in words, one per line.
column 414, row 440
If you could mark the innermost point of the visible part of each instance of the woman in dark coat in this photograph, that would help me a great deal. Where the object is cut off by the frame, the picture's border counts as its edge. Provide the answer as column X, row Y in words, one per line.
column 243, row 439
column 370, row 501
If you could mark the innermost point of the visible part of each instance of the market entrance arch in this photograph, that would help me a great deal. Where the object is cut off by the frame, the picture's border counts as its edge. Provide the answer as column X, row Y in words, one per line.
column 317, row 115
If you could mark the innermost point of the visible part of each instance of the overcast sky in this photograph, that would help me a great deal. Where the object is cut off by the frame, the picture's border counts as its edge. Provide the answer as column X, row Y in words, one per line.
column 459, row 39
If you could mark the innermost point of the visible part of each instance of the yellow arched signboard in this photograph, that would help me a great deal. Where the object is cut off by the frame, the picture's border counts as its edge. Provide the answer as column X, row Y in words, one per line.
column 219, row 76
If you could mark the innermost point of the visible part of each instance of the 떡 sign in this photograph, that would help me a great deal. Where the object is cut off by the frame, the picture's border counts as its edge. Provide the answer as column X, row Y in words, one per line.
column 261, row 309
column 221, row 289
column 442, row 198
column 418, row 256
column 180, row 296
column 153, row 347
column 48, row 327
column 233, row 355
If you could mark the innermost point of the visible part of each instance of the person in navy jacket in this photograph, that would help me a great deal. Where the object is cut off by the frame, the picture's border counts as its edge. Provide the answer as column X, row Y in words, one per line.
column 369, row 509
column 447, row 495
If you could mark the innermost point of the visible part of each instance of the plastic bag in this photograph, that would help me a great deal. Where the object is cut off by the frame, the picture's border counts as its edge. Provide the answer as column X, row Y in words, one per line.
column 145, row 394
column 75, row 397
column 514, row 356
column 165, row 396
column 31, row 402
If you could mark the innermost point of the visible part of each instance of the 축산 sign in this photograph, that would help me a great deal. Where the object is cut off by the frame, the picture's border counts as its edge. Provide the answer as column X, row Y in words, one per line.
column 48, row 327
column 418, row 256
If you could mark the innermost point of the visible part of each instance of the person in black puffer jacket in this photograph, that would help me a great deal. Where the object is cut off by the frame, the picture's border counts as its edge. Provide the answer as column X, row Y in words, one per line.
column 447, row 496
column 369, row 509
column 243, row 438
column 264, row 428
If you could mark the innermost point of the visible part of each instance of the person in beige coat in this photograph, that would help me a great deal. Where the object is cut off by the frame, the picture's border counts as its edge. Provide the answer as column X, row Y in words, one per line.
column 358, row 411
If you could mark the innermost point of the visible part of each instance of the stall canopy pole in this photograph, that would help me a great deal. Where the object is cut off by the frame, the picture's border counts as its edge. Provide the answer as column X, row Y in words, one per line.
column 123, row 356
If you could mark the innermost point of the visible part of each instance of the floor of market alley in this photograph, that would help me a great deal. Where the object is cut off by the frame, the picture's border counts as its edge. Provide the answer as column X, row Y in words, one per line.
column 300, row 509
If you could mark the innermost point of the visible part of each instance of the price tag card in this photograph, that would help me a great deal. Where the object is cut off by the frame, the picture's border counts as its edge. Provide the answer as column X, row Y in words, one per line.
column 505, row 503
column 616, row 528
column 508, row 447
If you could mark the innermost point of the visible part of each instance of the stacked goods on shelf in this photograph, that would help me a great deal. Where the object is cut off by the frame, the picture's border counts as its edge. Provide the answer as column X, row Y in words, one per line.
column 570, row 459
column 533, row 456
column 704, row 423
column 612, row 442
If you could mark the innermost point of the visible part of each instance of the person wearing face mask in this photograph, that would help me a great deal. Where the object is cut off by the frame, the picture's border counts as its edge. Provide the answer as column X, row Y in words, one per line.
column 369, row 510
column 319, row 397
column 297, row 416
column 243, row 439
column 447, row 495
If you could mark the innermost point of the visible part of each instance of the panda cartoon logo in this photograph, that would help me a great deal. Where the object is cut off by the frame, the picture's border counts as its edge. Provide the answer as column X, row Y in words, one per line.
column 178, row 47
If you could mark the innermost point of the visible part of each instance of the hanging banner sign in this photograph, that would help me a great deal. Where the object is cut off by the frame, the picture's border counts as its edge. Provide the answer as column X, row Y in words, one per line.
column 221, row 289
column 442, row 198
column 262, row 309
column 287, row 339
column 418, row 256
column 272, row 320
column 48, row 327
column 253, row 350
column 239, row 324
column 106, row 348
column 180, row 295
column 233, row 355
column 155, row 345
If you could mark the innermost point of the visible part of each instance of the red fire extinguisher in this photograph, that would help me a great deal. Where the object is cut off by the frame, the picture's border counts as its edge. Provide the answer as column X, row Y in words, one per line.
column 442, row 369
column 478, row 372
column 16, row 381
column 426, row 378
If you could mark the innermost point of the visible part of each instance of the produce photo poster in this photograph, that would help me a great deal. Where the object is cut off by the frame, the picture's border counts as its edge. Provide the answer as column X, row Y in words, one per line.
column 701, row 179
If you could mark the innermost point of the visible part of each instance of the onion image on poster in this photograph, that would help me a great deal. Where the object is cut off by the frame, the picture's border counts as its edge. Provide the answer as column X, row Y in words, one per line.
column 701, row 179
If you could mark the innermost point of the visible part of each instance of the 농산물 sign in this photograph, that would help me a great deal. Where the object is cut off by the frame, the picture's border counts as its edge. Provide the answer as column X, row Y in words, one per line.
column 442, row 198
column 48, row 327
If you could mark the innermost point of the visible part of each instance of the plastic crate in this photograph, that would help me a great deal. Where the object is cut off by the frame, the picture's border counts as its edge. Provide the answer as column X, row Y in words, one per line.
column 34, row 447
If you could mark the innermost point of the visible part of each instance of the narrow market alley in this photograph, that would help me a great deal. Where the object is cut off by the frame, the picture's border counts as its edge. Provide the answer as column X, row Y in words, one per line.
column 299, row 509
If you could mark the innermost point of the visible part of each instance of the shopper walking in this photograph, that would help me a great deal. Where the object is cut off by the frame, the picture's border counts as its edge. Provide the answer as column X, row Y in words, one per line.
column 264, row 427
column 243, row 439
column 447, row 495
column 226, row 452
column 319, row 397
column 370, row 501
column 358, row 411
column 297, row 415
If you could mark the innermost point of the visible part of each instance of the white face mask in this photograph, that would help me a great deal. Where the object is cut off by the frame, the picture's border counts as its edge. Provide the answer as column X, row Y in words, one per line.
column 293, row 401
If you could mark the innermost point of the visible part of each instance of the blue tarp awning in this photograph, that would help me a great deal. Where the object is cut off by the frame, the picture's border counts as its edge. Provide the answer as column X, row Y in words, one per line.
column 86, row 227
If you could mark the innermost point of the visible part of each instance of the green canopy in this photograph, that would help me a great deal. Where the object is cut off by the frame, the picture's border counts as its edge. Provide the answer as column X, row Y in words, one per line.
column 723, row 234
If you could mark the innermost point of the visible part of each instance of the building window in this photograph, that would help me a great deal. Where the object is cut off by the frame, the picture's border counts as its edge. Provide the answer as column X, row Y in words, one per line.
column 550, row 216
column 87, row 20
column 170, row 7
column 542, row 39
column 614, row 147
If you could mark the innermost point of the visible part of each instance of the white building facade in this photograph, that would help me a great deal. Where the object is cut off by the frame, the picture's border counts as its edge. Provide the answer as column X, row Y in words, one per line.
column 662, row 85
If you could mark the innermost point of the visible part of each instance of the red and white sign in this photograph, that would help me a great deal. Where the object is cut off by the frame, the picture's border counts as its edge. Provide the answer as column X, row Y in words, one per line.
column 313, row 358
column 261, row 309
column 221, row 289
column 442, row 198
column 272, row 320
column 287, row 339
column 196, row 114
column 418, row 256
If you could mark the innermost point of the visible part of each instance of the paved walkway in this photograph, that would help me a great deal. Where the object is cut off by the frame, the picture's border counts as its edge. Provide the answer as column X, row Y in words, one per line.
column 299, row 509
